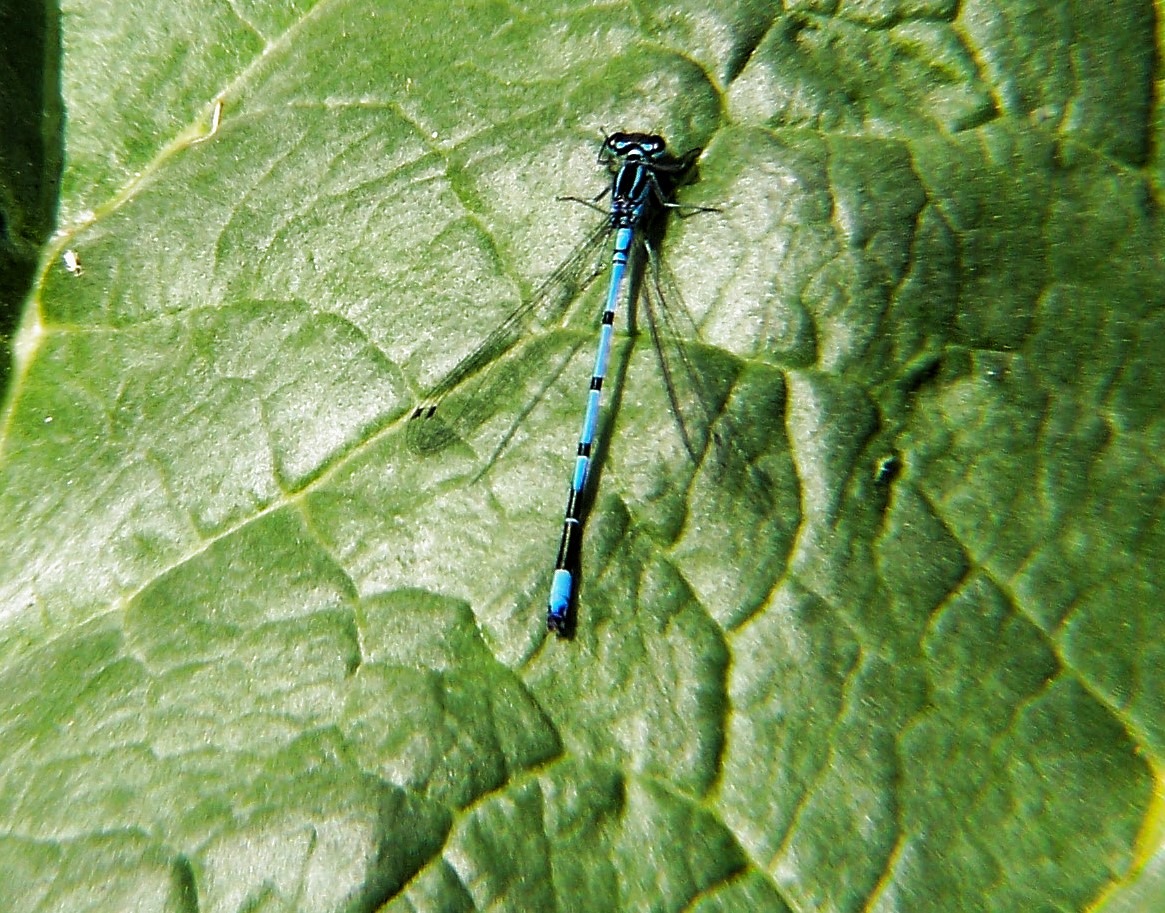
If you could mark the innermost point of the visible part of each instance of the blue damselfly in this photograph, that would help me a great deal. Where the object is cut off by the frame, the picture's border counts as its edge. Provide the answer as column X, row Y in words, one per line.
column 643, row 176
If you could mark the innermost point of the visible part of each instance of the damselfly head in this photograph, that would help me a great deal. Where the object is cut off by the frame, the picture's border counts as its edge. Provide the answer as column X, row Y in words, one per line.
column 635, row 145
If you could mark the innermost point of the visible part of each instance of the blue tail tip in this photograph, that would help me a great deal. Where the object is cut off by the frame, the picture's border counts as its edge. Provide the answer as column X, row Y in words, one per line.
column 558, row 609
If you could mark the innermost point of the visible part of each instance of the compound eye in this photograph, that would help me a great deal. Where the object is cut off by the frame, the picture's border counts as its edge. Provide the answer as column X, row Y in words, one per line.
column 617, row 142
column 654, row 144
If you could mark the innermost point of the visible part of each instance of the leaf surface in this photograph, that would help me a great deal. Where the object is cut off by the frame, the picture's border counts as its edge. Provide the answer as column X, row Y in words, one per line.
column 892, row 644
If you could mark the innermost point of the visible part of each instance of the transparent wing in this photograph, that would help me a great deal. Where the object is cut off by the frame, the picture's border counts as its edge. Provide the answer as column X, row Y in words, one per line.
column 698, row 378
column 464, row 398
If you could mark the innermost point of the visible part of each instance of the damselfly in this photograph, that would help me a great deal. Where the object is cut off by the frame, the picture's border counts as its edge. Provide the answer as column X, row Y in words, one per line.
column 643, row 175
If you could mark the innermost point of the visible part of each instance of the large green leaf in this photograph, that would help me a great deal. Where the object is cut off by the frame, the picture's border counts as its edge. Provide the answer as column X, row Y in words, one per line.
column 891, row 645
